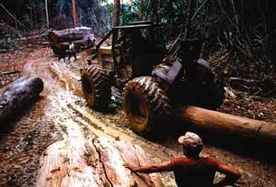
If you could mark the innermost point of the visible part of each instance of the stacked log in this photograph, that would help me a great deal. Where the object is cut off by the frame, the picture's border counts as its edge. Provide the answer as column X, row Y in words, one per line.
column 18, row 94
column 97, row 162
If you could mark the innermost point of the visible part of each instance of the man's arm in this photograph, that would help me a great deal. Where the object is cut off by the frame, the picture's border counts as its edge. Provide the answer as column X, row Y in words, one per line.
column 164, row 166
column 232, row 175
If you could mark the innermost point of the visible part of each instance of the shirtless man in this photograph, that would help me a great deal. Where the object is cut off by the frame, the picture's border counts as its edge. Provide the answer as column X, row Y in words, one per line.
column 192, row 170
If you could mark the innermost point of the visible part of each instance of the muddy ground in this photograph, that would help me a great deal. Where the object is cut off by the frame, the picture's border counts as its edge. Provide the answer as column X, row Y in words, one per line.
column 43, row 122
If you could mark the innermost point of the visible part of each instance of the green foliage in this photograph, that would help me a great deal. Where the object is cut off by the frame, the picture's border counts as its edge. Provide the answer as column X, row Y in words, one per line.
column 244, row 25
column 234, row 25
column 129, row 13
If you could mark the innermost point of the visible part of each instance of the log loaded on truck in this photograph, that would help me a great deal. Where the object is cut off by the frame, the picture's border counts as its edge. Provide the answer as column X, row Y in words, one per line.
column 157, row 85
column 60, row 39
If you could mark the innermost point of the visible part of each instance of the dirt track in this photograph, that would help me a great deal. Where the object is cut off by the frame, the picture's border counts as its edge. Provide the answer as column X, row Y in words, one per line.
column 45, row 120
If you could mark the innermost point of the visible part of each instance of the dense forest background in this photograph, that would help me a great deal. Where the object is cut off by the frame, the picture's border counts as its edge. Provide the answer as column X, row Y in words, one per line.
column 249, row 23
column 240, row 33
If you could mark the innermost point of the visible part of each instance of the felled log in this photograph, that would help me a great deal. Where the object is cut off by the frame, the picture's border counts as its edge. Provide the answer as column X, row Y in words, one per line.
column 70, row 34
column 97, row 162
column 56, row 37
column 18, row 94
column 227, row 123
column 59, row 39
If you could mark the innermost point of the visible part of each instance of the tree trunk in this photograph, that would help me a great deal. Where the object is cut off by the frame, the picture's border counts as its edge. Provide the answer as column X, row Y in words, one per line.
column 74, row 13
column 116, row 13
column 227, row 123
column 47, row 13
column 97, row 162
column 17, row 95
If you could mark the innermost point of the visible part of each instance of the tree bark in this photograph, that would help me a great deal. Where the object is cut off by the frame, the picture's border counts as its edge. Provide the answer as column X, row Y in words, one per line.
column 97, row 162
column 116, row 13
column 47, row 13
column 18, row 94
column 74, row 13
column 227, row 123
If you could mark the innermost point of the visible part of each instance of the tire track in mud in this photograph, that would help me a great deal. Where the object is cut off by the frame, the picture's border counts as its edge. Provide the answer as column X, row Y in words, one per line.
column 60, row 85
column 94, row 127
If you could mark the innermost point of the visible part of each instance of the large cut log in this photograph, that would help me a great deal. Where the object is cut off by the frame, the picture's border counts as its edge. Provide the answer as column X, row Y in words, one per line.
column 227, row 123
column 95, row 162
column 59, row 39
column 70, row 34
column 18, row 94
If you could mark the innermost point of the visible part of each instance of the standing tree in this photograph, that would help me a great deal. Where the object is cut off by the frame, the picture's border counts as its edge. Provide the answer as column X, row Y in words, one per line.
column 116, row 13
column 74, row 13
column 47, row 13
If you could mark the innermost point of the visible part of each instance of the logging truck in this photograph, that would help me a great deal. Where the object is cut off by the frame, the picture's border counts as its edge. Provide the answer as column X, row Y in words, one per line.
column 157, row 86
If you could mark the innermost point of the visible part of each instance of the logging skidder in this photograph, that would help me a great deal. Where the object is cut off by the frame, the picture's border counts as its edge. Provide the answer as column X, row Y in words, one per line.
column 138, row 64
column 157, row 86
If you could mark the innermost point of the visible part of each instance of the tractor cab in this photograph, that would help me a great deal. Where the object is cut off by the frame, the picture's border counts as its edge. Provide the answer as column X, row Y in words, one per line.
column 129, row 51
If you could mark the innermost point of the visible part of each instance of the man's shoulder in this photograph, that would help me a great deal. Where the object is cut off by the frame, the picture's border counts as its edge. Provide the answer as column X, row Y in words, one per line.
column 180, row 159
column 211, row 161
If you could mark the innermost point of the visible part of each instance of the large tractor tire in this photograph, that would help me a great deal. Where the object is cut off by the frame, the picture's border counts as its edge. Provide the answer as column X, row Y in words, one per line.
column 96, row 87
column 146, row 105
